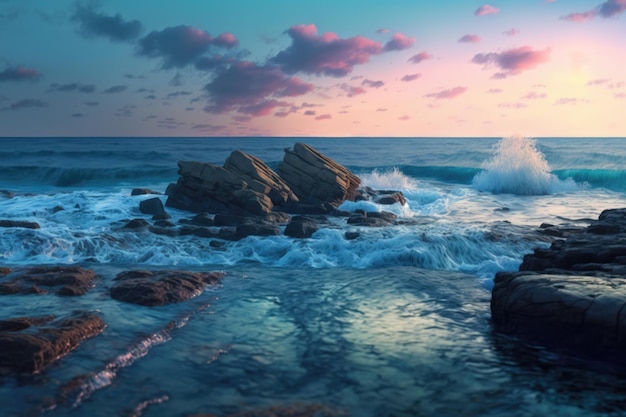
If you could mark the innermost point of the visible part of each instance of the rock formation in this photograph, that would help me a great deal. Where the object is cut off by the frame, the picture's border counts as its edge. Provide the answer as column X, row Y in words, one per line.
column 574, row 291
column 315, row 178
column 65, row 280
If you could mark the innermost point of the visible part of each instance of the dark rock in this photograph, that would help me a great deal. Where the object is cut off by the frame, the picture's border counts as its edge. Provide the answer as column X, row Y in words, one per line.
column 152, row 206
column 164, row 223
column 19, row 223
column 7, row 194
column 228, row 233
column 201, row 219
column 301, row 227
column 216, row 244
column 136, row 224
column 154, row 288
column 230, row 220
column 573, row 292
column 56, row 209
column 67, row 280
column 5, row 271
column 352, row 235
column 245, row 230
column 393, row 198
column 24, row 348
column 249, row 202
column 373, row 219
column 316, row 178
column 164, row 230
column 198, row 231
column 161, row 216
column 143, row 191
column 285, row 410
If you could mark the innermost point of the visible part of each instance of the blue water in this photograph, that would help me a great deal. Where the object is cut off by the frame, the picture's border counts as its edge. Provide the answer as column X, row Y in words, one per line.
column 394, row 323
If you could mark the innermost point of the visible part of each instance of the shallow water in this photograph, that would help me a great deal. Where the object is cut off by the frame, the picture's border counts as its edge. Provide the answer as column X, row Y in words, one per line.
column 378, row 342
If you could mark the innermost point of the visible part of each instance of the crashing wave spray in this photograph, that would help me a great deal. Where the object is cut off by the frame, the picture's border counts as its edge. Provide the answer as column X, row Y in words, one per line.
column 517, row 167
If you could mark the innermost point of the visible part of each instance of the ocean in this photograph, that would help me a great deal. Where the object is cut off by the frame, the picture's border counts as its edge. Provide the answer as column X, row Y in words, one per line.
column 393, row 323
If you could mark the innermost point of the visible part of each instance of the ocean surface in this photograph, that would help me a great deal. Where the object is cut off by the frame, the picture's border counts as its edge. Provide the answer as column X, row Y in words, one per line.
column 394, row 323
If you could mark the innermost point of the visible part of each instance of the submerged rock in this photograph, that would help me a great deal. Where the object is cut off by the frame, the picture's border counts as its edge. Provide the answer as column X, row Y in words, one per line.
column 573, row 292
column 30, row 344
column 66, row 280
column 286, row 410
column 154, row 288
column 19, row 223
column 152, row 206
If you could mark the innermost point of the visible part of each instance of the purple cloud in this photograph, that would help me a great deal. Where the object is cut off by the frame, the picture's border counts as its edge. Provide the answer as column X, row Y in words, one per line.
column 310, row 113
column 81, row 88
column 422, row 56
column 513, row 61
column 373, row 84
column 512, row 105
column 599, row 81
column 399, row 42
column 248, row 88
column 469, row 39
column 28, row 102
column 410, row 77
column 19, row 74
column 447, row 94
column 324, row 117
column 179, row 46
column 352, row 91
column 511, row 32
column 325, row 54
column 404, row 118
column 606, row 10
column 92, row 24
column 534, row 96
column 494, row 91
column 486, row 9
column 569, row 100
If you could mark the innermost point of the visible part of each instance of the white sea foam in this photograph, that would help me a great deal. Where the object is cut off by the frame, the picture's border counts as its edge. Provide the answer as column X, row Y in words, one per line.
column 517, row 167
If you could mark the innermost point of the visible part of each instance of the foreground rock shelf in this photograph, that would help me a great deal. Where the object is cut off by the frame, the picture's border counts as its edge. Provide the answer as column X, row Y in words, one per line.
column 574, row 292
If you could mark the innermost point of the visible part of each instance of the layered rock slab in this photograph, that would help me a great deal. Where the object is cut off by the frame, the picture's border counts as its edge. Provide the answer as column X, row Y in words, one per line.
column 573, row 292
column 63, row 280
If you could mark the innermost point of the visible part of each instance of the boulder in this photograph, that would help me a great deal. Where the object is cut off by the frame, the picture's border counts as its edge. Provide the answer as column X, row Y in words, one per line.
column 19, row 223
column 391, row 198
column 249, row 202
column 373, row 219
column 65, row 280
column 245, row 230
column 301, row 227
column 572, row 292
column 260, row 177
column 152, row 206
column 316, row 178
column 155, row 288
column 143, row 191
column 30, row 344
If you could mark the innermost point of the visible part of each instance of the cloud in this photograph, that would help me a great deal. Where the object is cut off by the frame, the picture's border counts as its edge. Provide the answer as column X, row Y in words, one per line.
column 494, row 91
column 382, row 30
column 422, row 56
column 598, row 81
column 324, row 117
column 513, row 61
column 178, row 94
column 511, row 32
column 78, row 115
column 534, row 96
column 486, row 9
column 28, row 102
column 569, row 100
column 373, row 84
column 179, row 46
column 310, row 113
column 381, row 109
column 469, row 39
column 19, row 74
column 115, row 89
column 81, row 88
column 447, row 94
column 410, row 77
column 404, row 118
column 606, row 10
column 115, row 28
column 248, row 88
column 351, row 90
column 512, row 105
column 325, row 54
column 399, row 42
column 92, row 103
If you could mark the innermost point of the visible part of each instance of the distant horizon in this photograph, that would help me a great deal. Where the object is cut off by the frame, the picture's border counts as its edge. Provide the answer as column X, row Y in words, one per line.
column 546, row 68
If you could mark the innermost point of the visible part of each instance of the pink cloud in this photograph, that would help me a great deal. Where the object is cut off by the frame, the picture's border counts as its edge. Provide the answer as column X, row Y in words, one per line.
column 469, row 39
column 325, row 54
column 19, row 74
column 606, row 10
column 447, row 94
column 310, row 113
column 410, row 77
column 486, row 9
column 373, row 84
column 399, row 42
column 382, row 30
column 494, row 91
column 513, row 61
column 381, row 109
column 404, row 118
column 351, row 90
column 248, row 88
column 598, row 81
column 620, row 95
column 511, row 32
column 422, row 56
column 324, row 117
column 512, row 105
column 226, row 40
column 568, row 100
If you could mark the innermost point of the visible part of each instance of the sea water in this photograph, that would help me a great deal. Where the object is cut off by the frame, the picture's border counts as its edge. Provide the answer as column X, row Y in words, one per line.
column 393, row 323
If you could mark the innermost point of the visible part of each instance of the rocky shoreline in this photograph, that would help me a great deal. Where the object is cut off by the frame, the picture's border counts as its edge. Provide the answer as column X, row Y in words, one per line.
column 573, row 293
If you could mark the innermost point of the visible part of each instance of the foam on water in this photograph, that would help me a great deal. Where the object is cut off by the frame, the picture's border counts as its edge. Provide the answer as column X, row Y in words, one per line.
column 517, row 167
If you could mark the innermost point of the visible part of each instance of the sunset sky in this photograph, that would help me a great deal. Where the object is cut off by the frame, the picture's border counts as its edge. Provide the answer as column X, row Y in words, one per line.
column 321, row 68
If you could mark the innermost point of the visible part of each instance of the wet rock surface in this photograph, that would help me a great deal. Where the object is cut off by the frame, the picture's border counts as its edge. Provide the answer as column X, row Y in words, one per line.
column 573, row 292
column 19, row 223
column 30, row 344
column 63, row 280
column 287, row 410
column 155, row 288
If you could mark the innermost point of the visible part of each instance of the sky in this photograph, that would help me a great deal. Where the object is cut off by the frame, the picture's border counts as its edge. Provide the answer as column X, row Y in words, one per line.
column 537, row 68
